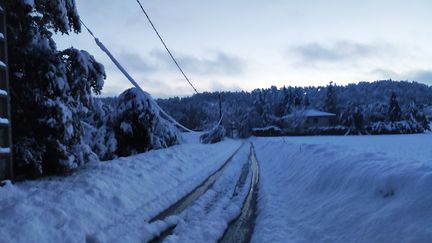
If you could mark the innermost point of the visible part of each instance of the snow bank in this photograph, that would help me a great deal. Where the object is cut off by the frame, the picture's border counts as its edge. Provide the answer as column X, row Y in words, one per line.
column 107, row 201
column 323, row 192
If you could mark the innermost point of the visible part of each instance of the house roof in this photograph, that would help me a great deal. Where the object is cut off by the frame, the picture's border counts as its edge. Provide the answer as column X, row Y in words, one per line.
column 313, row 113
column 309, row 113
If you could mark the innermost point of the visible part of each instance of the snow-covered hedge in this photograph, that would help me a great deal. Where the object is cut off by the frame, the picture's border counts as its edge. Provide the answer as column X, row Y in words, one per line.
column 399, row 127
column 276, row 131
column 267, row 131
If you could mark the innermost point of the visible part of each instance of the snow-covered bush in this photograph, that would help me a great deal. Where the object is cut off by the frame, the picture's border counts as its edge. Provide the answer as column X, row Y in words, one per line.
column 139, row 126
column 215, row 135
column 398, row 127
column 98, row 130
column 50, row 89
column 267, row 131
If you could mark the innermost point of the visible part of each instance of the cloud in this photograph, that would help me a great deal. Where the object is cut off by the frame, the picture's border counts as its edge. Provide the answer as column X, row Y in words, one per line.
column 134, row 62
column 219, row 63
column 219, row 86
column 423, row 76
column 338, row 51
column 385, row 73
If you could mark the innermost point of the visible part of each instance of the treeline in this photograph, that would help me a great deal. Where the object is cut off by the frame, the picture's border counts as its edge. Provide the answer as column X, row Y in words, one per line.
column 360, row 108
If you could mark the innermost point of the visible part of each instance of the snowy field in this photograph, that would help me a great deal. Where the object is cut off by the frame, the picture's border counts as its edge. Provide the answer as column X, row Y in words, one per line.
column 108, row 201
column 345, row 189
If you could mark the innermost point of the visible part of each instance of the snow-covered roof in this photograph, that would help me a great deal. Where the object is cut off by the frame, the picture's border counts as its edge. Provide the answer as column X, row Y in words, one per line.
column 312, row 113
column 275, row 128
column 308, row 113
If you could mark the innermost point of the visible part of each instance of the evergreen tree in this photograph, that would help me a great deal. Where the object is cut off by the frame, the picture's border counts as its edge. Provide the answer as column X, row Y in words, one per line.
column 415, row 113
column 288, row 101
column 330, row 104
column 306, row 101
column 138, row 125
column 99, row 129
column 51, row 89
column 298, row 98
column 394, row 111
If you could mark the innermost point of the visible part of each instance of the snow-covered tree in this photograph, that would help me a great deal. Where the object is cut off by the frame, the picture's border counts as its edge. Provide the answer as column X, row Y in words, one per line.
column 139, row 126
column 99, row 130
column 264, row 107
column 353, row 118
column 330, row 104
column 415, row 113
column 51, row 89
column 394, row 111
column 306, row 101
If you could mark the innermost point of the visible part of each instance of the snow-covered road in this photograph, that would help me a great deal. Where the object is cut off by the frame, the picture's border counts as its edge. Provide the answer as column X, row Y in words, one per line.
column 208, row 217
column 110, row 201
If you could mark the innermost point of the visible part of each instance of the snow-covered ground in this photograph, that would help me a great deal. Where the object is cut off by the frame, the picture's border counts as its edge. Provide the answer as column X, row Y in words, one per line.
column 108, row 201
column 410, row 147
column 345, row 189
column 311, row 189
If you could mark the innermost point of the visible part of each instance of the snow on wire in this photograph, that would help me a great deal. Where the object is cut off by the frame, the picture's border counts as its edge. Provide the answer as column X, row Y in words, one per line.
column 129, row 77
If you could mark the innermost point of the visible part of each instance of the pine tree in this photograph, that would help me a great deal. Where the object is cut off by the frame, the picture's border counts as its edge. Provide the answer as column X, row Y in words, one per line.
column 394, row 111
column 298, row 98
column 330, row 103
column 138, row 125
column 415, row 113
column 288, row 100
column 306, row 101
column 51, row 89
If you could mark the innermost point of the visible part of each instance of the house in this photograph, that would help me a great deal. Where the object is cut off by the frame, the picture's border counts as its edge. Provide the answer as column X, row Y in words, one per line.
column 316, row 118
column 302, row 122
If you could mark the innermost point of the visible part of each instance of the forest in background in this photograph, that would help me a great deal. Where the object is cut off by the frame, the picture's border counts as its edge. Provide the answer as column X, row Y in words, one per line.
column 365, row 108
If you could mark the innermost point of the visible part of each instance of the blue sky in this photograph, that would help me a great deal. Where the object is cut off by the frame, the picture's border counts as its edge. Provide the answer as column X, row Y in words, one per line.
column 247, row 44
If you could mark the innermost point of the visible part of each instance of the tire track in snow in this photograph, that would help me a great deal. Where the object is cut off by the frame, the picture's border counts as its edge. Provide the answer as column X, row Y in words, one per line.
column 241, row 228
column 183, row 203
column 241, row 186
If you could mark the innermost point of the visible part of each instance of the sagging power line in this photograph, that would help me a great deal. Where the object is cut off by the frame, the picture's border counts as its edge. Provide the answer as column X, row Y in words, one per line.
column 166, row 47
column 126, row 74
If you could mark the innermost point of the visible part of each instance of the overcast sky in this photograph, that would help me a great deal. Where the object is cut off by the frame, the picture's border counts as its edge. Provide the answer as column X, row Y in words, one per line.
column 247, row 44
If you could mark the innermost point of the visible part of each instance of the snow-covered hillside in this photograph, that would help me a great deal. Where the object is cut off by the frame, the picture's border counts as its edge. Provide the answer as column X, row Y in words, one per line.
column 345, row 189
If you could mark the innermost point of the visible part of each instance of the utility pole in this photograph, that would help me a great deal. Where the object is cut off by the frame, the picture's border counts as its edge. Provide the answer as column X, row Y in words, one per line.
column 6, row 168
column 220, row 106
